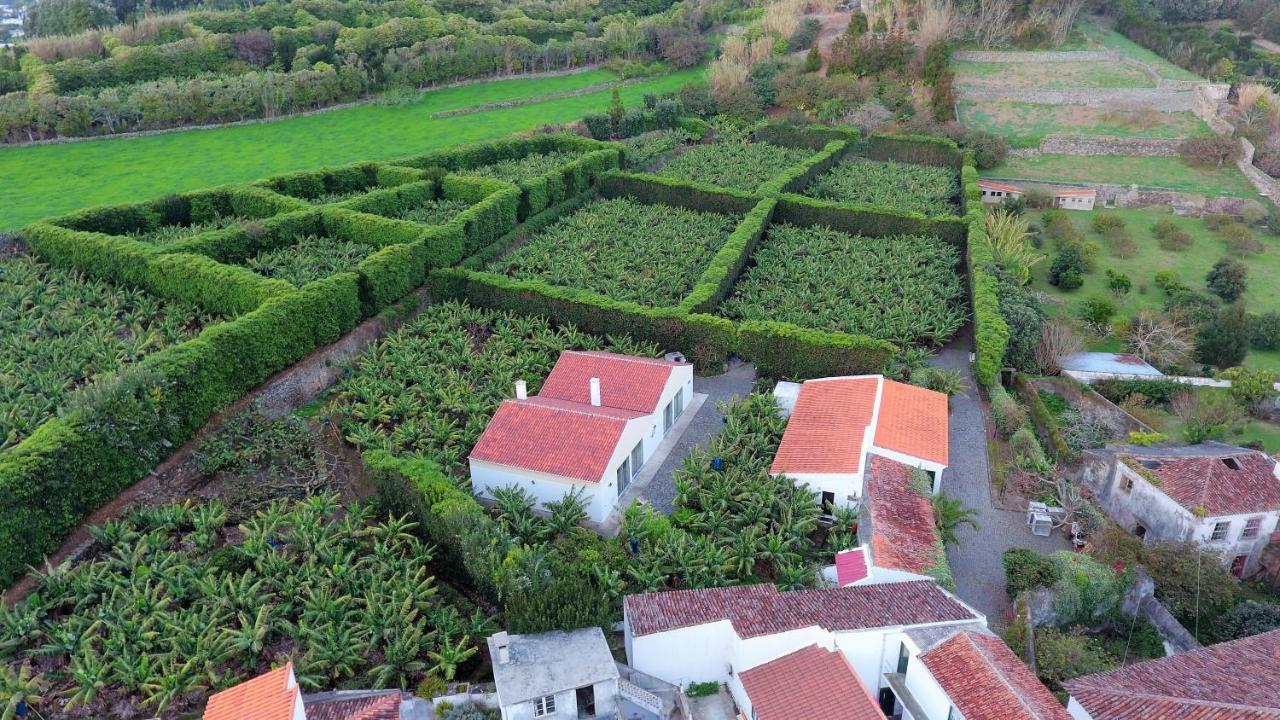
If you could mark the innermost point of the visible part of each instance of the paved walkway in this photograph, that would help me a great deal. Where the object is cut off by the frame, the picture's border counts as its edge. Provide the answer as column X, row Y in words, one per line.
column 976, row 558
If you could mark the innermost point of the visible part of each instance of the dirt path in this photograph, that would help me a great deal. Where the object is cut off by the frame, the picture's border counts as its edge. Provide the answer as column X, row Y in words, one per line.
column 282, row 393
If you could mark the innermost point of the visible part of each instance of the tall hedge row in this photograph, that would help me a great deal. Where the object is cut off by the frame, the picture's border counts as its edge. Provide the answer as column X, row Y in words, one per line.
column 797, row 177
column 658, row 190
column 811, row 137
column 917, row 149
column 717, row 281
column 185, row 209
column 868, row 220
column 990, row 331
column 784, row 350
column 310, row 184
column 498, row 247
column 494, row 211
column 392, row 201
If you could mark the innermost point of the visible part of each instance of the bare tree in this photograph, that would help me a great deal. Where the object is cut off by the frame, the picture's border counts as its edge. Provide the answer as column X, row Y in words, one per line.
column 1057, row 342
column 1183, row 404
column 993, row 23
column 1160, row 340
column 1056, row 15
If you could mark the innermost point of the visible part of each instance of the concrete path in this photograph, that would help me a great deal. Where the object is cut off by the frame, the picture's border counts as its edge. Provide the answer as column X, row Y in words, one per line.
column 976, row 558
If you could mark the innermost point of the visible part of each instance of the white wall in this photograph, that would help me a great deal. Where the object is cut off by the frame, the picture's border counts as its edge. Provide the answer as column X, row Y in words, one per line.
column 843, row 485
column 1077, row 711
column 545, row 487
column 933, row 700
column 685, row 655
column 566, row 708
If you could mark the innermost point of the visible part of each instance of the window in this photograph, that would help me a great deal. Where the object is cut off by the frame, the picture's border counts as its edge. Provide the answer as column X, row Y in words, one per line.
column 668, row 419
column 1128, row 484
column 1251, row 528
column 679, row 401
column 624, row 474
column 951, row 713
column 637, row 459
column 544, row 706
column 903, row 658
column 1220, row 531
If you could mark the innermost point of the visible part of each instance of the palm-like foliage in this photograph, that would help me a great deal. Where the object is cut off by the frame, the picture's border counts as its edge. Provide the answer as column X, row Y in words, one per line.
column 1011, row 245
column 949, row 514
column 905, row 187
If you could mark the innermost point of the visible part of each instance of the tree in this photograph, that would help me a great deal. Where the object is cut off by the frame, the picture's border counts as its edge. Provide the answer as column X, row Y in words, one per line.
column 67, row 17
column 1096, row 312
column 1228, row 279
column 1224, row 342
column 1160, row 339
column 1264, row 331
column 1213, row 150
column 1192, row 582
column 616, row 109
column 1188, row 10
column 1010, row 244
column 812, row 61
column 1251, row 388
column 1068, row 268
column 949, row 514
column 1246, row 619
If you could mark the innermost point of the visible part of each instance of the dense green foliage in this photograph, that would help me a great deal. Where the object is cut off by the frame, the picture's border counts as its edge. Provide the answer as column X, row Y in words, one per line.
column 650, row 254
column 310, row 258
column 733, row 164
column 518, row 169
column 174, row 604
column 59, row 329
column 820, row 278
column 432, row 212
column 899, row 186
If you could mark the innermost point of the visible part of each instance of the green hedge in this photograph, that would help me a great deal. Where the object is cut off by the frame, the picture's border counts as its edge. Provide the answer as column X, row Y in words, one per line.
column 990, row 331
column 722, row 272
column 517, row 234
column 346, row 224
column 812, row 137
column 704, row 339
column 783, row 350
column 392, row 201
column 1045, row 423
column 868, row 220
column 474, row 155
column 797, row 177
column 658, row 190
column 311, row 184
column 390, row 274
column 186, row 209
column 918, row 149
column 494, row 211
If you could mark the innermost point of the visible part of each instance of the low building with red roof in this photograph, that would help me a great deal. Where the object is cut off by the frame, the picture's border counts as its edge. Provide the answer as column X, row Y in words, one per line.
column 596, row 421
column 836, row 425
column 1219, row 496
column 812, row 683
column 1229, row 681
column 972, row 675
column 898, row 525
column 271, row 696
column 994, row 192
column 1075, row 198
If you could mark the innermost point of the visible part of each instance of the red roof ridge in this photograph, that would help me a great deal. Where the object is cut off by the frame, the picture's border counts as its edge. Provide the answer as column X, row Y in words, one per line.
column 600, row 411
column 999, row 186
column 810, row 683
column 983, row 645
column 269, row 696
column 627, row 358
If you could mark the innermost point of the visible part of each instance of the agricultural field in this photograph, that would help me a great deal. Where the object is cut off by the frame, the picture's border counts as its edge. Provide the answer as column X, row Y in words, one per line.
column 173, row 602
column 429, row 389
column 1050, row 76
column 903, row 187
column 905, row 289
column 650, row 254
column 172, row 233
column 1024, row 125
column 1169, row 173
column 644, row 150
column 59, row 329
column 433, row 212
column 1148, row 258
column 530, row 166
column 734, row 165
column 310, row 258
column 62, row 177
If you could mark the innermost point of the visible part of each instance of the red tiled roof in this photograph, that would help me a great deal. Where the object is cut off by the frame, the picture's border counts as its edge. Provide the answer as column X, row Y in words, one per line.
column 984, row 679
column 1208, row 482
column 553, row 436
column 825, row 431
column 998, row 186
column 631, row 383
column 902, row 526
column 913, row 421
column 809, row 684
column 756, row 610
column 1229, row 681
column 851, row 566
column 1076, row 193
column 385, row 706
column 270, row 696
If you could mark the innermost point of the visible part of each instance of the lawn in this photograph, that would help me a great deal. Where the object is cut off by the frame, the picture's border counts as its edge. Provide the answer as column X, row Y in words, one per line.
column 62, row 177
column 1169, row 173
column 1050, row 76
column 1190, row 266
column 1252, row 430
column 1113, row 40
column 1026, row 124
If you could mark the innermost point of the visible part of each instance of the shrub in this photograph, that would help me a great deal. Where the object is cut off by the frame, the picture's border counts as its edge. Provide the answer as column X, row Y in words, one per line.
column 1086, row 590
column 666, row 113
column 1211, row 418
column 1068, row 268
column 1163, row 228
column 1264, row 331
column 599, row 125
column 1228, row 279
column 1146, row 439
column 1190, row 578
column 1224, row 343
column 1027, row 450
column 1176, row 241
column 697, row 99
column 1247, row 619
column 1118, row 283
column 1008, row 415
column 702, row 689
column 1213, row 150
column 1106, row 221
column 1025, row 569
column 1240, row 239
column 632, row 124
column 1021, row 310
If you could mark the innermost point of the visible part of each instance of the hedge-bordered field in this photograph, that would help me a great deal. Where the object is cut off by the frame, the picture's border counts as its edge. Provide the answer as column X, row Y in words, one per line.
column 904, row 187
column 310, row 258
column 733, row 165
column 903, row 288
column 650, row 254
column 518, row 169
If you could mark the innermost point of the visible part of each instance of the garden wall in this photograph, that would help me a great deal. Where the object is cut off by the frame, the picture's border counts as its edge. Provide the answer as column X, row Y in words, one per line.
column 1104, row 145
column 1042, row 56
column 1136, row 196
column 1114, row 98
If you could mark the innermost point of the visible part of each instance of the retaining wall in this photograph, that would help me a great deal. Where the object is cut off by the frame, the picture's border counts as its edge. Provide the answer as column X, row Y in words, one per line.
column 1136, row 196
column 1103, row 145
column 1115, row 98
column 1264, row 183
column 1046, row 56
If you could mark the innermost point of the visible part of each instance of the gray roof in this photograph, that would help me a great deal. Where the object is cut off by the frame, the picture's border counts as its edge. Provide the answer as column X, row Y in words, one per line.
column 552, row 662
column 1105, row 362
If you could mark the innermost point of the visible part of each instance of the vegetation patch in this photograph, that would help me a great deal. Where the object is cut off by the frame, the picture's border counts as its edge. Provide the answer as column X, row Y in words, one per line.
column 311, row 258
column 529, row 166
column 174, row 603
column 904, row 288
column 898, row 186
column 434, row 212
column 429, row 389
column 59, row 329
column 734, row 165
column 650, row 254
column 172, row 233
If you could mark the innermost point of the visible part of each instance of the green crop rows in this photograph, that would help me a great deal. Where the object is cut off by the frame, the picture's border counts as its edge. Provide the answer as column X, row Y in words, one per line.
column 649, row 254
column 59, row 329
column 904, row 289
column 311, row 258
column 173, row 233
column 523, row 168
column 734, row 165
column 430, row 388
column 434, row 212
column 899, row 186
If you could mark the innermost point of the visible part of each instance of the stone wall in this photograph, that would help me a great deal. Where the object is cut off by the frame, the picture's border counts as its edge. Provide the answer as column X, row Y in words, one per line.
column 1112, row 98
column 1135, row 196
column 1264, row 183
column 1140, row 600
column 1104, row 145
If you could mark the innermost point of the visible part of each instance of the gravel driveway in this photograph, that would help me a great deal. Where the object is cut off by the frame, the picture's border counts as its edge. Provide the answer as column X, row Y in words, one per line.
column 976, row 558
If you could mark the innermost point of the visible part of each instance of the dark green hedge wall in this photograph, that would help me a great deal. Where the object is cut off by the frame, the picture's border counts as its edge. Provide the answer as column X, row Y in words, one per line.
column 783, row 350
column 657, row 190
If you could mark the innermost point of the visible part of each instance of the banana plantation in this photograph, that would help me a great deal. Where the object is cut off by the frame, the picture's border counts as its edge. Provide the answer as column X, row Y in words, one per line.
column 310, row 258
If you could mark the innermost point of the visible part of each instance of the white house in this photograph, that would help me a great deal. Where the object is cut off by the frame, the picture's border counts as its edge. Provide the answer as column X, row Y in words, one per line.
column 275, row 695
column 567, row 675
column 1221, row 497
column 596, row 421
column 994, row 192
column 1075, row 198
column 835, row 425
column 1229, row 681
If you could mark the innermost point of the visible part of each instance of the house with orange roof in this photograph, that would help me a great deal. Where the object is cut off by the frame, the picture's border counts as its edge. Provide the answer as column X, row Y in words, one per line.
column 1075, row 198
column 994, row 192
column 597, row 420
column 275, row 695
column 836, row 426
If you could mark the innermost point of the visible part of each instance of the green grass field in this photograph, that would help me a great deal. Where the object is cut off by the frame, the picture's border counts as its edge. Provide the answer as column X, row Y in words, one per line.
column 45, row 180
column 1249, row 431
column 1092, row 74
column 1169, row 173
column 1115, row 41
column 1190, row 265
column 1026, row 124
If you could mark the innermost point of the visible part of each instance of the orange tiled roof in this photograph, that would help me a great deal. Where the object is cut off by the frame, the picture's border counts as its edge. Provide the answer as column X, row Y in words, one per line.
column 627, row 382
column 913, row 421
column 271, row 696
column 984, row 679
column 998, row 186
column 809, row 684
column 1206, row 481
column 903, row 534
column 574, row 440
column 825, row 431
column 383, row 706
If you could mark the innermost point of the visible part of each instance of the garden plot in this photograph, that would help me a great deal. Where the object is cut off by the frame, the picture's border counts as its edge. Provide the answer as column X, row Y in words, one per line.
column 905, row 289
column 1026, row 124
column 529, row 166
column 59, row 329
column 430, row 388
column 313, row 257
column 650, row 254
column 431, row 212
column 1050, row 76
column 734, row 165
column 166, row 234
column 902, row 187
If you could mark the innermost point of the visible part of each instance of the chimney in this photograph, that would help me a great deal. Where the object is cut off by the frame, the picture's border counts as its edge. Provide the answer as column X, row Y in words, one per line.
column 502, row 644
column 522, row 390
column 595, row 392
